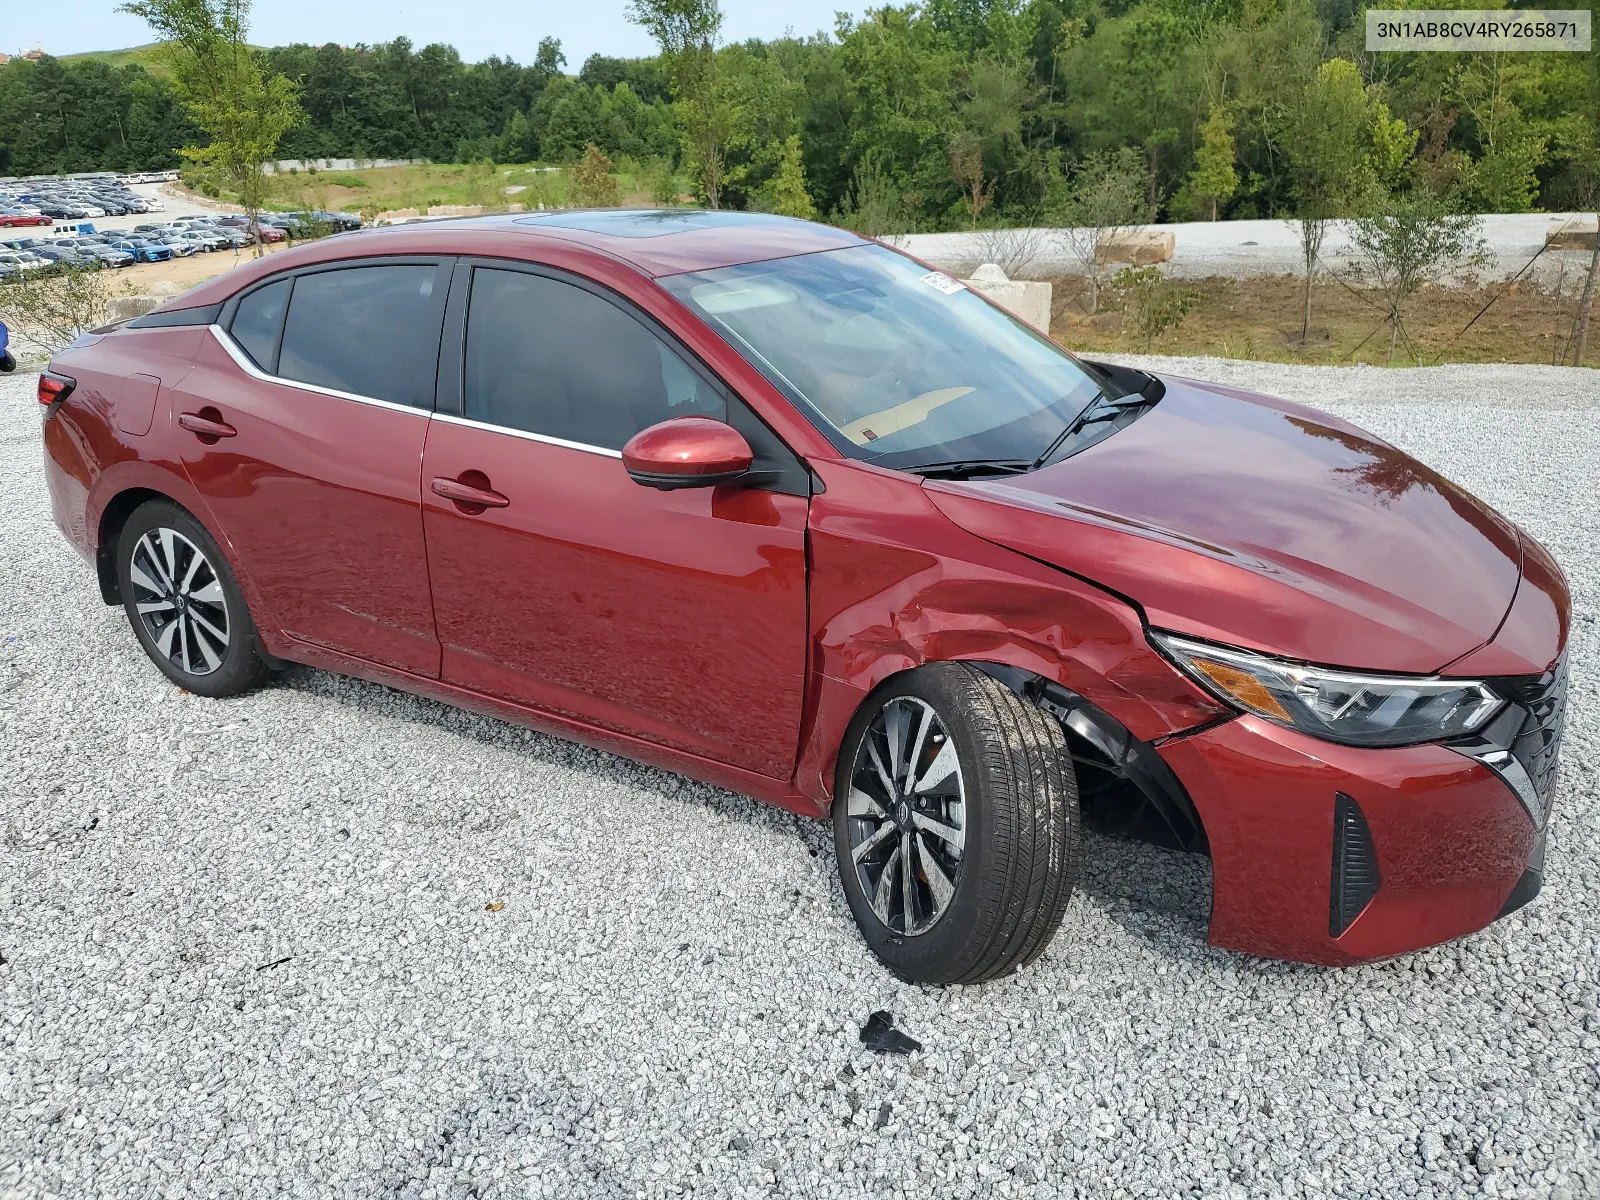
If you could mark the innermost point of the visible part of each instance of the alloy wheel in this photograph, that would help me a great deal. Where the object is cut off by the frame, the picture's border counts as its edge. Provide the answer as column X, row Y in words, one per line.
column 180, row 601
column 907, row 816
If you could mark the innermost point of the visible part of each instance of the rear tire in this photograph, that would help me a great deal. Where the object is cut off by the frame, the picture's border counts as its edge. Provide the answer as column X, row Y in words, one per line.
column 185, row 605
column 7, row 364
column 947, row 768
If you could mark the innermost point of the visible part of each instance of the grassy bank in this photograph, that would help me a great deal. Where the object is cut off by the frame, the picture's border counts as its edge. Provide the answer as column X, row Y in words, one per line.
column 1259, row 318
column 494, row 186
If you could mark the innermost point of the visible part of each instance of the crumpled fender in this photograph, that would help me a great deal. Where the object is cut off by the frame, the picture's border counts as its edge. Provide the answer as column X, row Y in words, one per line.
column 895, row 584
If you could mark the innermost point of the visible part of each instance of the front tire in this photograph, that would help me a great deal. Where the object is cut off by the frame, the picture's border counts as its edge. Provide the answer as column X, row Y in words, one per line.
column 955, row 824
column 185, row 605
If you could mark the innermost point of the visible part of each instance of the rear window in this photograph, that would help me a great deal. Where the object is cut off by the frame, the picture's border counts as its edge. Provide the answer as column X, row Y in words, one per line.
column 371, row 331
column 257, row 322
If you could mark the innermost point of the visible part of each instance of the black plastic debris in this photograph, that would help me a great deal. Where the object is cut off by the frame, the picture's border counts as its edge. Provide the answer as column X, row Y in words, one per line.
column 881, row 1037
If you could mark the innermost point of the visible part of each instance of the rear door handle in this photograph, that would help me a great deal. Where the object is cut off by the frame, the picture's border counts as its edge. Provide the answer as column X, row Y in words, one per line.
column 206, row 426
column 467, row 495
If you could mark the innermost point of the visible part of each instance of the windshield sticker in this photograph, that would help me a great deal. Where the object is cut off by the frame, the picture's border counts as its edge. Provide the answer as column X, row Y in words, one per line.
column 940, row 282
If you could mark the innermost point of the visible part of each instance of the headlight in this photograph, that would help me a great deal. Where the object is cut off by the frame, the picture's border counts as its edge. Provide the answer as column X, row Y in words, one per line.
column 1339, row 706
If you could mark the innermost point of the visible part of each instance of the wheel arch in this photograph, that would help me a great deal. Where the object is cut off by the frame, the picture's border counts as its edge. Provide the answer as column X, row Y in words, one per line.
column 124, row 498
column 112, row 519
column 1131, row 791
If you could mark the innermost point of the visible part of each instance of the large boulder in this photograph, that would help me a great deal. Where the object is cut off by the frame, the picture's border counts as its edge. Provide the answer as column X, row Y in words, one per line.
column 1024, row 299
column 1138, row 247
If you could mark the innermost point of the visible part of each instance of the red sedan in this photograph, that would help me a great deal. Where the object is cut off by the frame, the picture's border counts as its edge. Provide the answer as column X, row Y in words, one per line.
column 14, row 220
column 784, row 510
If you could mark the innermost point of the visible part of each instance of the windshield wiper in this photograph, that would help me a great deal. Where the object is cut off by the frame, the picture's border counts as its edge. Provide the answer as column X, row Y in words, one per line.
column 1101, row 408
column 967, row 467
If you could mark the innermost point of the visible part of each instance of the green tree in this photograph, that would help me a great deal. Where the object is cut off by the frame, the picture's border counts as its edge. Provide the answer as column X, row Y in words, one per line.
column 1504, row 178
column 1417, row 241
column 1213, row 177
column 1103, row 200
column 874, row 206
column 593, row 185
column 899, row 84
column 231, row 99
column 687, row 31
column 1149, row 304
column 1323, row 139
column 765, row 104
column 966, row 164
column 789, row 195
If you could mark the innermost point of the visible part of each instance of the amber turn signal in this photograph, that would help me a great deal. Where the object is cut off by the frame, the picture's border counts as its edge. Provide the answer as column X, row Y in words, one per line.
column 1243, row 687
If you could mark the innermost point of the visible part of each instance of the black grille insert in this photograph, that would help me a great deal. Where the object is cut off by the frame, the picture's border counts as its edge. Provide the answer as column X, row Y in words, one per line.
column 1355, row 865
column 1537, row 745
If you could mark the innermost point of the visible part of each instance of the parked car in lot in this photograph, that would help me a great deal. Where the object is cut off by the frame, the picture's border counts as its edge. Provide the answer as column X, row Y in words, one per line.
column 142, row 250
column 780, row 508
column 14, row 219
column 68, row 255
column 179, row 247
column 106, row 254
column 202, row 239
column 234, row 239
column 23, row 261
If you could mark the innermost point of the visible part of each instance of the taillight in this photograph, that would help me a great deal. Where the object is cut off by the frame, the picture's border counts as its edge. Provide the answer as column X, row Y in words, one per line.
column 53, row 387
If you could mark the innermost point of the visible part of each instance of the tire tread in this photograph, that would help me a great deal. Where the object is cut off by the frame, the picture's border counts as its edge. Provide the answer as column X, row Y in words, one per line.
column 1023, row 865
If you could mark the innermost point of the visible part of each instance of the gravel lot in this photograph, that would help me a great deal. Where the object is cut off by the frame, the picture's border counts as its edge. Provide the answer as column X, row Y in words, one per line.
column 1205, row 249
column 249, row 945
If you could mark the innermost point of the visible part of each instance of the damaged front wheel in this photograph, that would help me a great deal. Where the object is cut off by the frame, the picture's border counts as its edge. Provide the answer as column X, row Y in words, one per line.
column 955, row 825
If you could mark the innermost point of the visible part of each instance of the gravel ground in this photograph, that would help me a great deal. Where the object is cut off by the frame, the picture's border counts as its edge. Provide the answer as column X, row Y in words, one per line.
column 1205, row 249
column 331, row 940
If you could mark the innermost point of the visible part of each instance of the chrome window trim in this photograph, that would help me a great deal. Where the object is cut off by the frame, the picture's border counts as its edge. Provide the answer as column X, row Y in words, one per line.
column 242, row 361
column 544, row 438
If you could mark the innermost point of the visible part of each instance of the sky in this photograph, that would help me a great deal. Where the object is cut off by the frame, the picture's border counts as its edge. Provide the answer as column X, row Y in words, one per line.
column 477, row 28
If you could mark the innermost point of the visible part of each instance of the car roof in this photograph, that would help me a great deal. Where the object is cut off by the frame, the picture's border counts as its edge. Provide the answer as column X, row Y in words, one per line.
column 653, row 242
column 671, row 241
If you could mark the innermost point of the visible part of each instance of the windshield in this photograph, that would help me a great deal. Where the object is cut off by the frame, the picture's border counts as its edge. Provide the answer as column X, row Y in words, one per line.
column 897, row 364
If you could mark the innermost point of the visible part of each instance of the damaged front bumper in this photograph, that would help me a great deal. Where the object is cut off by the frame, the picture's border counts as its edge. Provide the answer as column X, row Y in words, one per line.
column 1334, row 854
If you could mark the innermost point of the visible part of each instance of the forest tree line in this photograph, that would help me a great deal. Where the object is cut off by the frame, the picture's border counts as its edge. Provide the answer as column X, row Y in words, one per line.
column 943, row 115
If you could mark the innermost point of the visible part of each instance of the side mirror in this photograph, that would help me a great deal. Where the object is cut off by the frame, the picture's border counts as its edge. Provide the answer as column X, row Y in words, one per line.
column 686, row 452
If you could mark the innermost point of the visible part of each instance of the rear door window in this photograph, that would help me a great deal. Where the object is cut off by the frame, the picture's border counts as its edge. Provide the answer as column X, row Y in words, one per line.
column 554, row 359
column 258, row 321
column 371, row 331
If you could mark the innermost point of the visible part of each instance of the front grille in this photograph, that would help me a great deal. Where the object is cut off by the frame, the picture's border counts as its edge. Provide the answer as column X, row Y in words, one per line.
column 1537, row 745
column 1355, row 865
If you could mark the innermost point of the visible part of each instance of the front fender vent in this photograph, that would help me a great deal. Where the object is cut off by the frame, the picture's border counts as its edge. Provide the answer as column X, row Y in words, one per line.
column 1355, row 865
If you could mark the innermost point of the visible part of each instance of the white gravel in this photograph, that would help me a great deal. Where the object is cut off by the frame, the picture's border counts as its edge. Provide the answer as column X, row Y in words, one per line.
column 247, row 950
column 1239, row 249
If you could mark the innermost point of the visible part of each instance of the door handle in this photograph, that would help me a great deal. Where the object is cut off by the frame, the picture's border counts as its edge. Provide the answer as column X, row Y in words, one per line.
column 207, row 426
column 468, row 495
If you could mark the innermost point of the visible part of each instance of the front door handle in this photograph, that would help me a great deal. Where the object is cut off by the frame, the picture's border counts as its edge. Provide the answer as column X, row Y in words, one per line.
column 471, row 492
column 207, row 423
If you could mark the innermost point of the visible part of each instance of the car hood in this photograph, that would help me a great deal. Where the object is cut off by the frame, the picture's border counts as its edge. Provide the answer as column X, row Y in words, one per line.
column 1257, row 522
